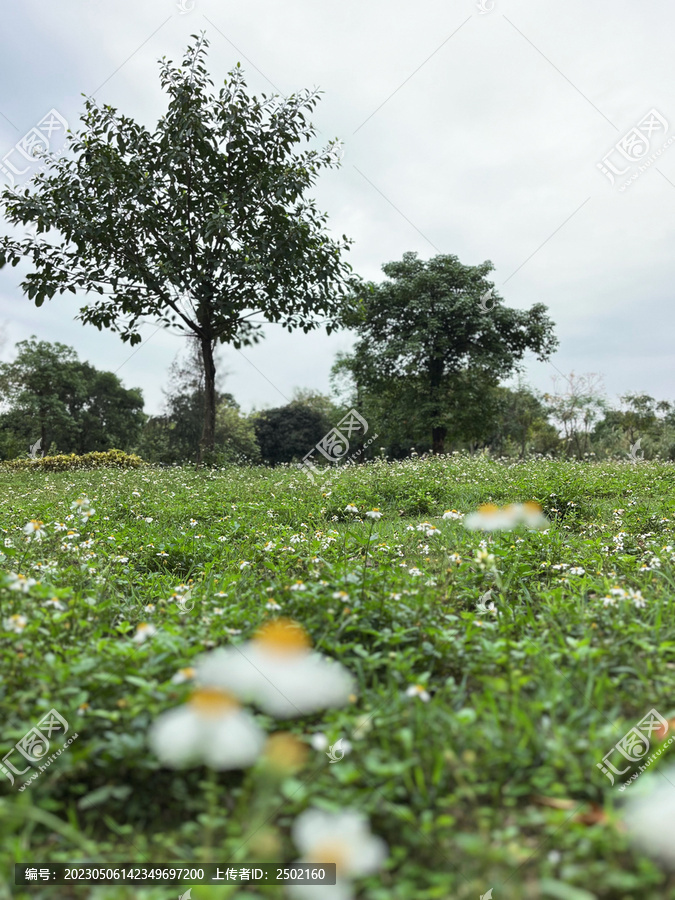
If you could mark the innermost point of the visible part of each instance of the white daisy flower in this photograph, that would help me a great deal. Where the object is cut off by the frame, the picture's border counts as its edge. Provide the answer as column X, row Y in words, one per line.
column 490, row 517
column 452, row 514
column 649, row 815
column 272, row 604
column 374, row 513
column 34, row 529
column 143, row 632
column 343, row 838
column 211, row 728
column 15, row 623
column 19, row 582
column 418, row 690
column 278, row 671
column 319, row 741
column 55, row 603
column 183, row 675
column 298, row 586
column 350, row 508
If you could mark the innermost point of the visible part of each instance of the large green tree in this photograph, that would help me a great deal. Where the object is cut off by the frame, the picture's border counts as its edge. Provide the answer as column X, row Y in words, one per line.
column 435, row 330
column 48, row 393
column 200, row 224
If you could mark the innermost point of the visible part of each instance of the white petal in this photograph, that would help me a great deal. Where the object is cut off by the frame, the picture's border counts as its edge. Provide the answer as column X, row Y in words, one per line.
column 174, row 737
column 234, row 742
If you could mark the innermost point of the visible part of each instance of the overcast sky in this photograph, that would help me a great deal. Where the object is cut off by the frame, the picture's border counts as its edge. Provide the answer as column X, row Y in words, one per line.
column 476, row 133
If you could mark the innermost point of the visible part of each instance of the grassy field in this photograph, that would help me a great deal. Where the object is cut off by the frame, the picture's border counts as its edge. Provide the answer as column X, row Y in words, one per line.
column 471, row 736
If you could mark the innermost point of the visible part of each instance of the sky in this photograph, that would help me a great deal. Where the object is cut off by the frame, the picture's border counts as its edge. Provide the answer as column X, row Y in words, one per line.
column 505, row 130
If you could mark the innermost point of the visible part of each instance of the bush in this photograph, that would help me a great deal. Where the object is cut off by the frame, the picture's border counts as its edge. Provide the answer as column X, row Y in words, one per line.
column 109, row 459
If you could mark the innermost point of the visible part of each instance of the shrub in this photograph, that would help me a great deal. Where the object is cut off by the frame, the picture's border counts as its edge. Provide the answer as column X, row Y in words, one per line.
column 109, row 459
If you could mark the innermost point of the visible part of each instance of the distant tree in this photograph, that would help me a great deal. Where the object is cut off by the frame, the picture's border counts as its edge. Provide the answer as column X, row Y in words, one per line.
column 521, row 423
column 174, row 436
column 48, row 394
column 436, row 326
column 576, row 409
column 644, row 427
column 288, row 433
column 200, row 225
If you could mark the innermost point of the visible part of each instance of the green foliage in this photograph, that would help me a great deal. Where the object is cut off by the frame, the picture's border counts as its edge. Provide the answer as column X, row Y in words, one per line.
column 110, row 459
column 426, row 340
column 492, row 783
column 288, row 433
column 200, row 224
column 51, row 395
column 175, row 436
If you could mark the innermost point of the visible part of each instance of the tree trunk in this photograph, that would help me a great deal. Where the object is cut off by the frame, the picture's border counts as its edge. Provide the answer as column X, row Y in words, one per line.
column 208, row 439
column 438, row 434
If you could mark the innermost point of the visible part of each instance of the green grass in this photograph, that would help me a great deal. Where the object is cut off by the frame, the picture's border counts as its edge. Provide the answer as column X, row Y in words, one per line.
column 492, row 783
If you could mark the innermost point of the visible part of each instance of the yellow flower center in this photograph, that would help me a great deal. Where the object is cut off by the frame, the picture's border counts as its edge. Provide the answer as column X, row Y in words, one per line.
column 212, row 702
column 488, row 509
column 283, row 636
column 532, row 507
column 331, row 852
column 285, row 752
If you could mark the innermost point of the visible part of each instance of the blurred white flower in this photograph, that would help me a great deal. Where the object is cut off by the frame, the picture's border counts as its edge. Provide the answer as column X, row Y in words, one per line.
column 649, row 815
column 374, row 513
column 143, row 632
column 418, row 690
column 343, row 838
column 55, row 603
column 19, row 582
column 183, row 675
column 211, row 728
column 351, row 508
column 83, row 508
column 490, row 517
column 319, row 741
column 15, row 623
column 452, row 514
column 279, row 671
column 34, row 529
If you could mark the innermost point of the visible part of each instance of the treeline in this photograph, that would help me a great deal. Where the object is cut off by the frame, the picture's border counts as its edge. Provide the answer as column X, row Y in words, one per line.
column 50, row 396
